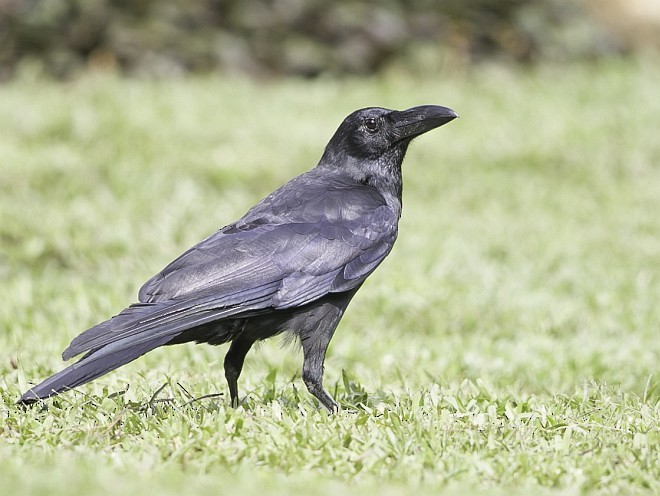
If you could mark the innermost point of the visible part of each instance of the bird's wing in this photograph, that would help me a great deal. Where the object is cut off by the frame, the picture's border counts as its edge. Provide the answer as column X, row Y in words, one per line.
column 273, row 258
column 312, row 227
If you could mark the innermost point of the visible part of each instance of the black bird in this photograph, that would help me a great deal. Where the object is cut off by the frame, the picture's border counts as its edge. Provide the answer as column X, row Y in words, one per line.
column 291, row 263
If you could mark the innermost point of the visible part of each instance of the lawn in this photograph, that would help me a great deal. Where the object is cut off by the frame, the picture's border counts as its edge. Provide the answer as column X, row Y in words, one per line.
column 508, row 345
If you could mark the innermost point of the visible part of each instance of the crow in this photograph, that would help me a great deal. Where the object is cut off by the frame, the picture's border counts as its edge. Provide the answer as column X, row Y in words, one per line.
column 292, row 263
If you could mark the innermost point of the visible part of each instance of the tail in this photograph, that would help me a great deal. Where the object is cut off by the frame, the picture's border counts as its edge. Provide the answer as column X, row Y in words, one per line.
column 94, row 364
column 138, row 329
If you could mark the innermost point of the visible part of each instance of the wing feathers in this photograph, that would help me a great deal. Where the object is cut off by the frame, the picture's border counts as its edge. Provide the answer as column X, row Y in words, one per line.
column 274, row 257
column 168, row 318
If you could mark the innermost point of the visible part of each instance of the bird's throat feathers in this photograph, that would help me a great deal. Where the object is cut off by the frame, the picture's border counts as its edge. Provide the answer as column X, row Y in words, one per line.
column 382, row 172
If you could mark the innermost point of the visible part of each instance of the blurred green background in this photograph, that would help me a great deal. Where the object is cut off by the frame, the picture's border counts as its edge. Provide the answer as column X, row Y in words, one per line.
column 312, row 38
column 508, row 345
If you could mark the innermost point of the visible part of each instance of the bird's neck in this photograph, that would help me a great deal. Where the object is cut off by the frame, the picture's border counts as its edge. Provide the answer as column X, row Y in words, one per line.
column 389, row 184
column 382, row 173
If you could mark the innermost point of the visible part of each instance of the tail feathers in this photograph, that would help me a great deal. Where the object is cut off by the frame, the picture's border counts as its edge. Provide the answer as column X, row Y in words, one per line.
column 94, row 364
column 135, row 331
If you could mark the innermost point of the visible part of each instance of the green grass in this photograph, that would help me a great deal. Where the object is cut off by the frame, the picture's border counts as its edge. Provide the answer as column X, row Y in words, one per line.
column 509, row 344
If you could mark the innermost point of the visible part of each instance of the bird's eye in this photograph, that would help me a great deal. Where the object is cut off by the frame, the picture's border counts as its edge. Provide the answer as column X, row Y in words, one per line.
column 371, row 125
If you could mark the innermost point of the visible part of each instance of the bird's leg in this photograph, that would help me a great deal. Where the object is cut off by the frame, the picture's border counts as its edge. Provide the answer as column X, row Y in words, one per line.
column 234, row 364
column 314, row 345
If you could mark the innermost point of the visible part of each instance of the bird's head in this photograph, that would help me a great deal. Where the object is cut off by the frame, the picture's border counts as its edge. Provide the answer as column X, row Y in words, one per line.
column 374, row 132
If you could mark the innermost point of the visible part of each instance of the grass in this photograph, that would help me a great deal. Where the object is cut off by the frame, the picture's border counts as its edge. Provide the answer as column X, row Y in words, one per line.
column 509, row 345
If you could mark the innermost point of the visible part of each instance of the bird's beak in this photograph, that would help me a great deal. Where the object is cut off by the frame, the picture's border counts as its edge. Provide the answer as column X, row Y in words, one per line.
column 418, row 120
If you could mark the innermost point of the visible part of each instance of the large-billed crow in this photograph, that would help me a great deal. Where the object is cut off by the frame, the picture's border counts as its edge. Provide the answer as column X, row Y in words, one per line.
column 291, row 263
